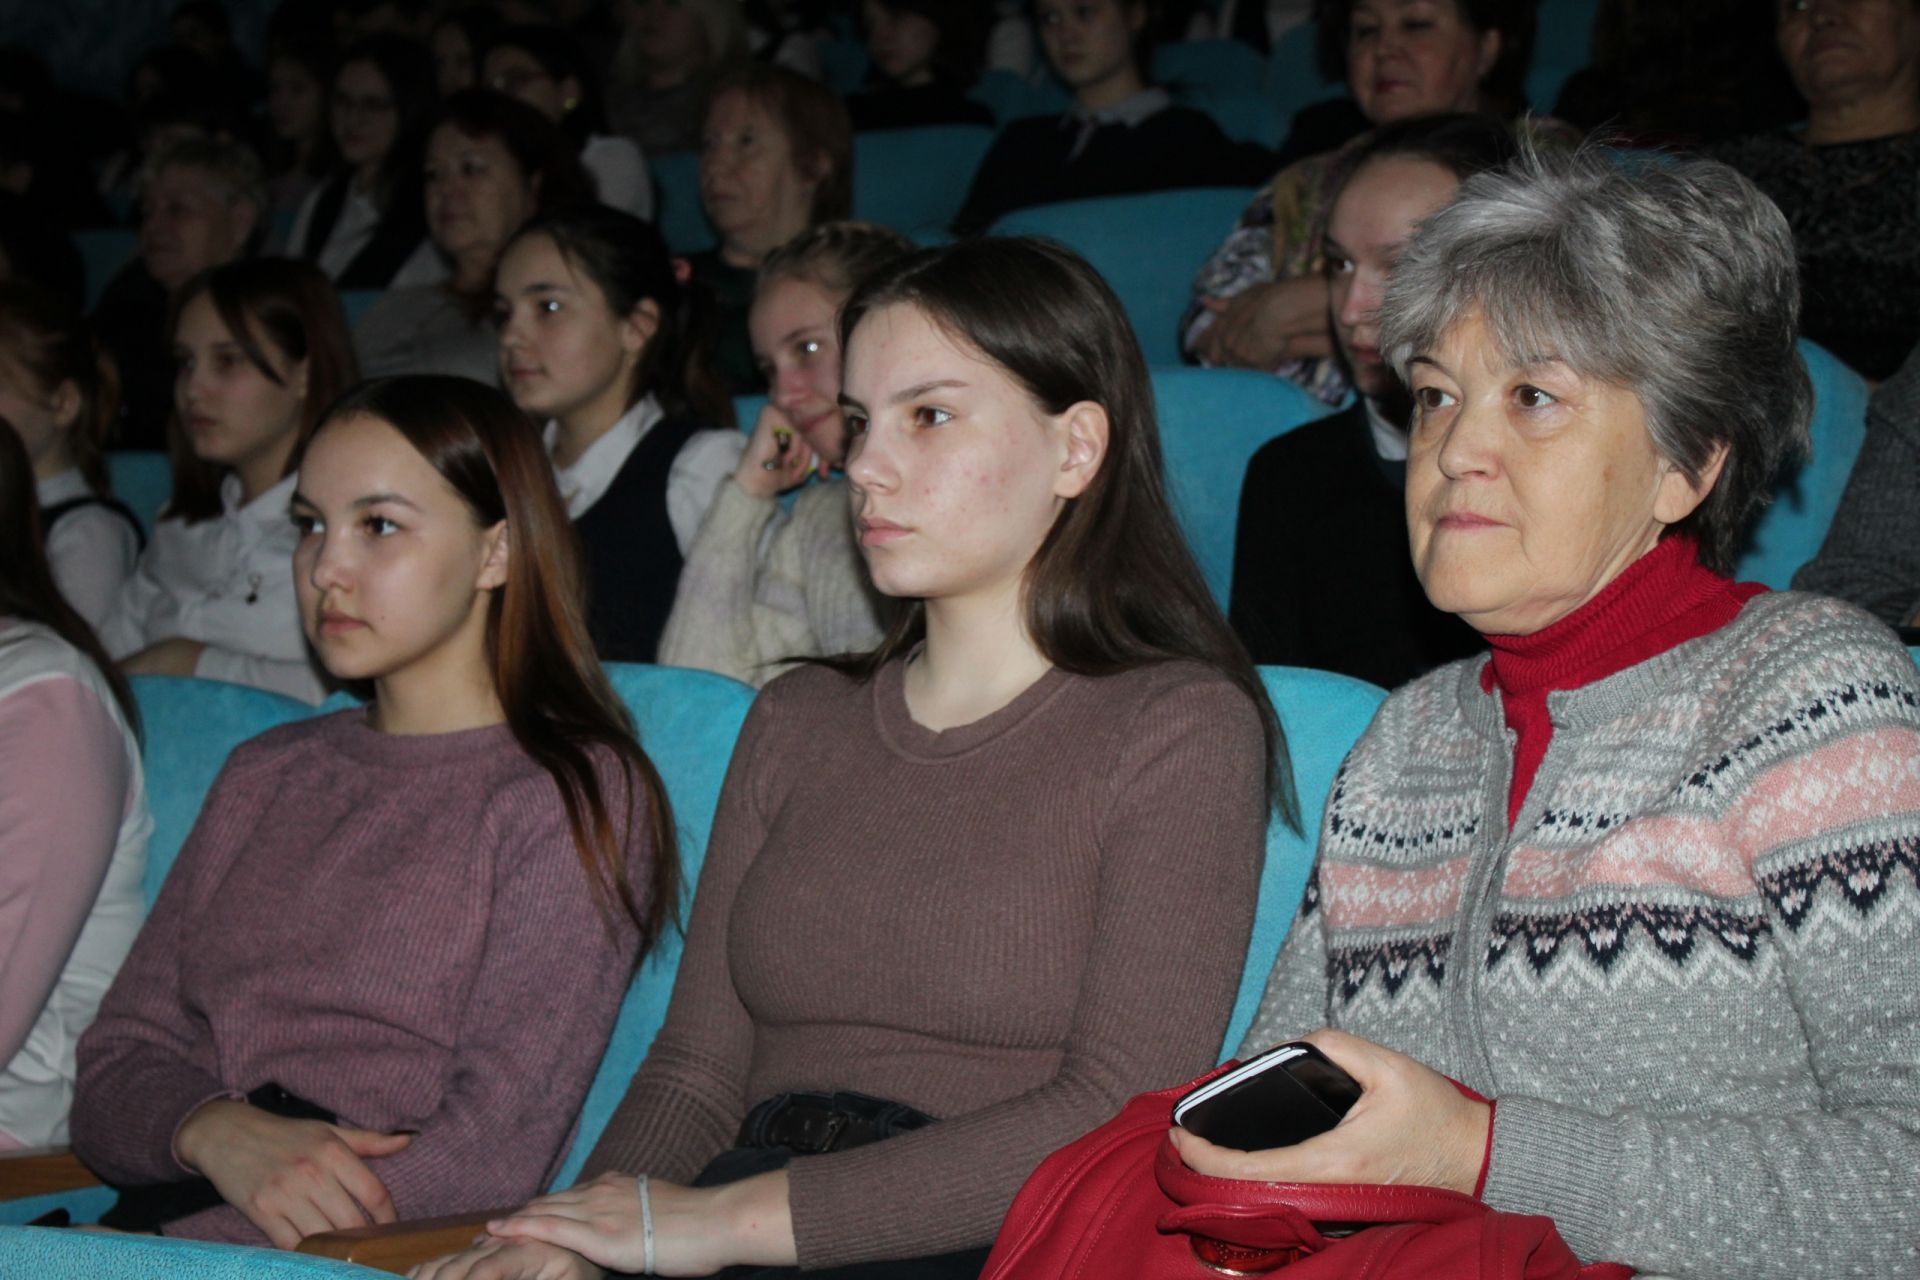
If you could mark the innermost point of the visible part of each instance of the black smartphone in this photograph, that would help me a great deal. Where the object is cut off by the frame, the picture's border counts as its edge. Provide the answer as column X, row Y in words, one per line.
column 1288, row 1094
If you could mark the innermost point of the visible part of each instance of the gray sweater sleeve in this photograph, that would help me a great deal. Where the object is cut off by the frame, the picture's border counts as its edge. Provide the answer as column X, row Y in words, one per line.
column 1871, row 556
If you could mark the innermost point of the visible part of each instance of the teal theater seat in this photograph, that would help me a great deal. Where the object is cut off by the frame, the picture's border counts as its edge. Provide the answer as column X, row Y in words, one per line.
column 47, row 1254
column 1789, row 533
column 355, row 303
column 1218, row 64
column 1011, row 96
column 103, row 251
column 676, row 206
column 687, row 722
column 913, row 178
column 1293, row 73
column 1211, row 422
column 1147, row 246
column 1324, row 715
column 143, row 480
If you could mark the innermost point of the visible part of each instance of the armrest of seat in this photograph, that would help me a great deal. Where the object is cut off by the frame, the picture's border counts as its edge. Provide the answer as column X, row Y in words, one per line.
column 40, row 1171
column 400, row 1246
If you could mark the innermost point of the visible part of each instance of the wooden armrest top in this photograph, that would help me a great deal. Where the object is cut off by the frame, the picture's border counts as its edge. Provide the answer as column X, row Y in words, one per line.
column 401, row 1245
column 39, row 1171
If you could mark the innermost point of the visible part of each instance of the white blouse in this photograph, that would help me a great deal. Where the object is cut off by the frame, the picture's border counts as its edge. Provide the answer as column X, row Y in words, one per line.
column 91, row 550
column 699, row 469
column 227, row 582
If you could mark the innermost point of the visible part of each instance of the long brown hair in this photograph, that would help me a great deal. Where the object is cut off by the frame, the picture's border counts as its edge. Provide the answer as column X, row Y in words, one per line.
column 264, row 302
column 27, row 589
column 48, row 339
column 1113, row 586
column 558, row 701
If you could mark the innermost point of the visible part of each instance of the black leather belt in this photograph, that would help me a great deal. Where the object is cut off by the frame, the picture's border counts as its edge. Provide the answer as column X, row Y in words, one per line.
column 815, row 1123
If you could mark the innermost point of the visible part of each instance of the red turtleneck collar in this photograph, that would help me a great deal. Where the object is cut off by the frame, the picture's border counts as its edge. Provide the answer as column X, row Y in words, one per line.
column 1663, row 599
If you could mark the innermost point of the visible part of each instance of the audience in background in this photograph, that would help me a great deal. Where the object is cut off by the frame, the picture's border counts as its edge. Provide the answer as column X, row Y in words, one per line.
column 601, row 340
column 73, row 805
column 459, row 39
column 1353, row 603
column 762, row 585
column 1015, row 794
column 777, row 158
column 1261, row 301
column 663, row 71
column 545, row 68
column 260, row 1069
column 926, row 54
column 1849, row 181
column 1871, row 556
column 262, row 351
column 364, row 227
column 205, row 204
column 61, row 392
column 302, row 155
column 1121, row 135
column 492, row 164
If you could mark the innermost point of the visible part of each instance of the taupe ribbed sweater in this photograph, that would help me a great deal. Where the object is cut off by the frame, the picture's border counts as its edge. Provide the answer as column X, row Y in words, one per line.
column 1013, row 925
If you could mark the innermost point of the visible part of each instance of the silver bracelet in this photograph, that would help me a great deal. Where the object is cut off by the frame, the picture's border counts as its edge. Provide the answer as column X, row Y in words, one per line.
column 646, row 1226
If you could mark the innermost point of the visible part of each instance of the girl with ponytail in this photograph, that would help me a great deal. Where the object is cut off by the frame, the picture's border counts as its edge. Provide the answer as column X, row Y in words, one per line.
column 603, row 341
column 60, row 390
column 381, row 974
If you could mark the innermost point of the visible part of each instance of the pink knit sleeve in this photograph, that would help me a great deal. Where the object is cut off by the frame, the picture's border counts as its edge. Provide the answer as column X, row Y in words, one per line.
column 64, row 775
column 147, row 1062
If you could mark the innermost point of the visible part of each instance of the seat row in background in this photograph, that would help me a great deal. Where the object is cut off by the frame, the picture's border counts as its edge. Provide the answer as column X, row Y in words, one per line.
column 1213, row 420
column 687, row 721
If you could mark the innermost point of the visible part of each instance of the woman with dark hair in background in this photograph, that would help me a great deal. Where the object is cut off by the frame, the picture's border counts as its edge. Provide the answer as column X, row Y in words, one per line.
column 1122, row 134
column 364, row 227
column 601, row 341
column 663, row 71
column 546, row 68
column 262, row 350
column 266, row 1066
column 298, row 76
column 763, row 585
column 926, row 55
column 492, row 163
column 777, row 158
column 1261, row 301
column 61, row 392
column 458, row 40
column 73, row 806
column 1059, row 738
column 1849, row 181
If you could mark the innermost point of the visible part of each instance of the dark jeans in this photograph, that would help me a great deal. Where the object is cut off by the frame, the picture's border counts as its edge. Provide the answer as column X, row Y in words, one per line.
column 744, row 1162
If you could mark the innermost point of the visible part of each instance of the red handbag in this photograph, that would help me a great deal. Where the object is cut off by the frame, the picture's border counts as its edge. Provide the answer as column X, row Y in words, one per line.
column 1121, row 1203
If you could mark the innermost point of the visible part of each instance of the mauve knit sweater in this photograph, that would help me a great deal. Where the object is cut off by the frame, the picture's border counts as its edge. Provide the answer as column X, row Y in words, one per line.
column 395, row 928
column 1013, row 925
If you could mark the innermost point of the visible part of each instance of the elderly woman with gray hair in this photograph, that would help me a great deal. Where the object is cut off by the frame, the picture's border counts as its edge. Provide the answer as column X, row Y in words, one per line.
column 1644, row 878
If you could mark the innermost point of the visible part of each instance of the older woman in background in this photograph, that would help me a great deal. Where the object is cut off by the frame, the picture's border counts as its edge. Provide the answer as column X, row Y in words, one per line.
column 1260, row 302
column 1645, row 879
column 492, row 164
column 1849, row 181
column 777, row 158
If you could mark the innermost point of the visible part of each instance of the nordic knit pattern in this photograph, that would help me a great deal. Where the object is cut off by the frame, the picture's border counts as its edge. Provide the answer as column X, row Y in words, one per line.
column 760, row 585
column 395, row 928
column 1013, row 925
column 1689, row 975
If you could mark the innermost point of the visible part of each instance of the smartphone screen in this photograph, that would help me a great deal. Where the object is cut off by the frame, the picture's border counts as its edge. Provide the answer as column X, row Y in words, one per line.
column 1288, row 1094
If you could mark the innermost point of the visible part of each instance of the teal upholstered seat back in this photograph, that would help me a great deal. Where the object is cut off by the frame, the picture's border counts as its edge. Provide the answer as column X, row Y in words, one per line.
column 45, row 1253
column 687, row 721
column 1323, row 715
column 188, row 727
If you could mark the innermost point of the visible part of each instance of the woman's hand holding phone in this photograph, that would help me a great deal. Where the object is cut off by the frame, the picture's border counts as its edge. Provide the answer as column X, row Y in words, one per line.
column 1410, row 1126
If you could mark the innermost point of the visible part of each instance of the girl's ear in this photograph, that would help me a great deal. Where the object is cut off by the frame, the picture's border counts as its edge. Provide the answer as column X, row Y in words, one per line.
column 297, row 380
column 493, row 566
column 637, row 330
column 65, row 403
column 1087, row 428
column 1489, row 53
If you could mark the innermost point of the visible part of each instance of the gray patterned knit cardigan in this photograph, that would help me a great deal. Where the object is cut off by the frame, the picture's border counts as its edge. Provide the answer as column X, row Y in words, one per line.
column 1691, row 973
